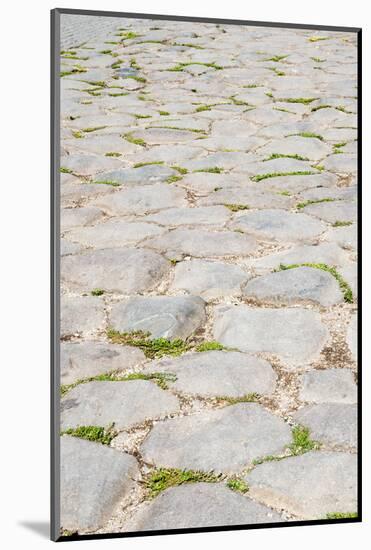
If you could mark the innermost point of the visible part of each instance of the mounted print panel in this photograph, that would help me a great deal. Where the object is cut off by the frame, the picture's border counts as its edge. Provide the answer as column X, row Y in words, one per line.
column 205, row 276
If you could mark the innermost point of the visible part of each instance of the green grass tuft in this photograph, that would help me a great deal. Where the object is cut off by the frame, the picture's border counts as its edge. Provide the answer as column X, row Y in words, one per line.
column 341, row 224
column 173, row 179
column 131, row 139
column 213, row 170
column 64, row 170
column 140, row 164
column 108, row 182
column 93, row 129
column 317, row 38
column 236, row 207
column 342, row 515
column 210, row 346
column 260, row 177
column 113, row 154
column 163, row 478
column 302, row 443
column 164, row 113
column 303, row 204
column 275, row 58
column 237, row 484
column 152, row 348
column 302, row 100
column 283, row 156
column 249, row 398
column 97, row 292
column 92, row 433
column 308, row 135
column 180, row 169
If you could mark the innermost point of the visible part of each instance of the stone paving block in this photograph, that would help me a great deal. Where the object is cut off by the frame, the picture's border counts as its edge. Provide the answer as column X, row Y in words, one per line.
column 126, row 270
column 212, row 215
column 212, row 505
column 209, row 280
column 163, row 316
column 352, row 336
column 74, row 217
column 328, row 386
column 333, row 211
column 86, row 359
column 309, row 486
column 87, row 165
column 143, row 175
column 302, row 284
column 297, row 335
column 81, row 314
column 346, row 237
column 279, row 225
column 295, row 145
column 226, row 440
column 94, row 478
column 123, row 403
column 219, row 373
column 332, row 423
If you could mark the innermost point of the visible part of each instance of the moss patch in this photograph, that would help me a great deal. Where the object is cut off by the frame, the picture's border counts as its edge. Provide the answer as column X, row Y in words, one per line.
column 140, row 164
column 342, row 515
column 97, row 292
column 113, row 154
column 210, row 346
column 64, row 170
column 212, row 170
column 131, row 139
column 283, row 156
column 303, row 204
column 308, row 135
column 236, row 207
column 341, row 224
column 237, row 484
column 108, row 182
column 163, row 478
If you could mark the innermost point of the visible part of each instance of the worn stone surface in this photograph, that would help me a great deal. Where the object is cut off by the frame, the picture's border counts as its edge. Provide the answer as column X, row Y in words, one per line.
column 332, row 423
column 333, row 211
column 213, row 215
column 352, row 337
column 220, row 373
column 209, row 279
column 328, row 386
column 212, row 505
column 222, row 440
column 94, row 478
column 123, row 403
column 128, row 270
column 163, row 316
column 301, row 284
column 275, row 331
column 85, row 359
column 81, row 315
column 308, row 486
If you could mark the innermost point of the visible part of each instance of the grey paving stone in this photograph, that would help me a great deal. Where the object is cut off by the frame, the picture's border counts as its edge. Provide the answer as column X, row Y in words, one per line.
column 212, row 505
column 102, row 144
column 81, row 314
column 114, row 233
column 245, row 196
column 328, row 386
column 319, row 193
column 346, row 237
column 296, row 184
column 204, row 244
column 73, row 194
column 163, row 316
column 212, row 215
column 143, row 175
column 275, row 331
column 74, row 217
column 128, row 270
column 302, row 284
column 67, row 248
column 123, row 403
column 352, row 336
column 175, row 154
column 341, row 163
column 309, row 486
column 279, row 225
column 333, row 211
column 140, row 200
column 219, row 373
column 158, row 136
column 295, row 145
column 332, row 423
column 85, row 359
column 94, row 478
column 226, row 440
column 87, row 165
column 209, row 279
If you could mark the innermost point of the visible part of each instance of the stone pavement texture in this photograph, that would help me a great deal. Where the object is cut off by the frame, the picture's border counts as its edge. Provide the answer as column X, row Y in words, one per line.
column 208, row 274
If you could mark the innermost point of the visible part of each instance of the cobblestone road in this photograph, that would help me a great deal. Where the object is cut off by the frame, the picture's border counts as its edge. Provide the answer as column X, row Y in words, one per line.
column 208, row 323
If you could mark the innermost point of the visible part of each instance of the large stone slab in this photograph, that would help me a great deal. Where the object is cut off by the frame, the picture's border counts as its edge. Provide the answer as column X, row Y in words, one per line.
column 87, row 165
column 203, row 244
column 144, row 175
column 301, row 284
column 94, row 478
column 333, row 423
column 200, row 505
column 296, row 145
column 297, row 335
column 352, row 337
column 84, row 359
column 114, row 233
column 129, row 270
column 74, row 217
column 219, row 373
column 140, row 200
column 244, row 196
column 227, row 439
column 212, row 215
column 309, row 486
column 279, row 225
column 328, row 386
column 209, row 279
column 81, row 315
column 163, row 316
column 332, row 212
column 123, row 403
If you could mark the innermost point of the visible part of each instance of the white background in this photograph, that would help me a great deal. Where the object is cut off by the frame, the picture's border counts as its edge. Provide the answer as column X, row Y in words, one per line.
column 24, row 284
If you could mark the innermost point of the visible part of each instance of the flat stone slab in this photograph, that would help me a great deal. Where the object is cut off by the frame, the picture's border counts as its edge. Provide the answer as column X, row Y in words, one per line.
column 204, row 244
column 85, row 359
column 163, row 316
column 140, row 200
column 213, row 505
column 114, row 233
column 209, row 280
column 227, row 439
column 244, row 196
column 341, row 163
column 81, row 314
column 74, row 217
column 309, row 486
column 333, row 423
column 333, row 211
column 219, row 373
column 94, row 478
column 158, row 136
column 352, row 337
column 73, row 193
column 279, row 225
column 129, row 270
column 87, row 165
column 212, row 215
column 296, row 145
column 290, row 286
column 346, row 237
column 328, row 386
column 123, row 403
column 143, row 175
column 297, row 335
